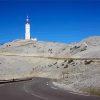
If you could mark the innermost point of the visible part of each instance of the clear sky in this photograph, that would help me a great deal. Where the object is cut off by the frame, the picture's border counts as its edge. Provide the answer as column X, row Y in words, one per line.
column 51, row 20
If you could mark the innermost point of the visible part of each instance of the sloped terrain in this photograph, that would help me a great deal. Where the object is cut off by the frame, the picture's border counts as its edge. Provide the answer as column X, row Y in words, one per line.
column 92, row 50
column 92, row 41
column 88, row 48
column 22, row 59
column 38, row 48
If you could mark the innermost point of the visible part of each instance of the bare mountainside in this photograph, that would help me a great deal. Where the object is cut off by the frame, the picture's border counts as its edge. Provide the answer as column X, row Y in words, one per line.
column 38, row 48
column 75, row 66
column 88, row 48
column 93, row 48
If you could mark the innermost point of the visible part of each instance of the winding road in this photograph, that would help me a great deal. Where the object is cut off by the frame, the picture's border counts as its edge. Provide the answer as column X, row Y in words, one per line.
column 38, row 89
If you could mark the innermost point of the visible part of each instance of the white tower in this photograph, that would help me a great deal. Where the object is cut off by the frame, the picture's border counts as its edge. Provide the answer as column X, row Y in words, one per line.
column 27, row 29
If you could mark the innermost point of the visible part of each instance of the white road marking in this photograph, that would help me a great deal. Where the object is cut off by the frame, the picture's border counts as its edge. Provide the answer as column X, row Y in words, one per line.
column 34, row 94
column 54, row 88
column 80, row 94
column 39, row 96
column 47, row 83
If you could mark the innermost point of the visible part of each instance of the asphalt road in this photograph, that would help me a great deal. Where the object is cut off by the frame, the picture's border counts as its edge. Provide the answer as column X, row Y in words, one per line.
column 38, row 89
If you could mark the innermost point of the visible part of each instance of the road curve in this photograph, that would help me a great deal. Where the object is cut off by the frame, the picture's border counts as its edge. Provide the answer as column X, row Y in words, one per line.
column 38, row 89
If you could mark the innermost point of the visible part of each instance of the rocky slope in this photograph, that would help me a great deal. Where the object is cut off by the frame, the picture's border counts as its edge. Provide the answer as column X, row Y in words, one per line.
column 88, row 48
column 22, row 59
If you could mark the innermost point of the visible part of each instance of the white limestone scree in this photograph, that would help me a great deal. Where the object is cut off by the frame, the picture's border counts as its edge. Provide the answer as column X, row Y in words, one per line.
column 27, row 29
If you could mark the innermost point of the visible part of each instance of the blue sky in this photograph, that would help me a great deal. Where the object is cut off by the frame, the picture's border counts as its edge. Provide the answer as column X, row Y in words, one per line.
column 51, row 20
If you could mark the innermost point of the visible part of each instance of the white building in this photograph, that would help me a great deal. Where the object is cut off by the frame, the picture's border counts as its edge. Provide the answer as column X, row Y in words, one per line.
column 27, row 29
